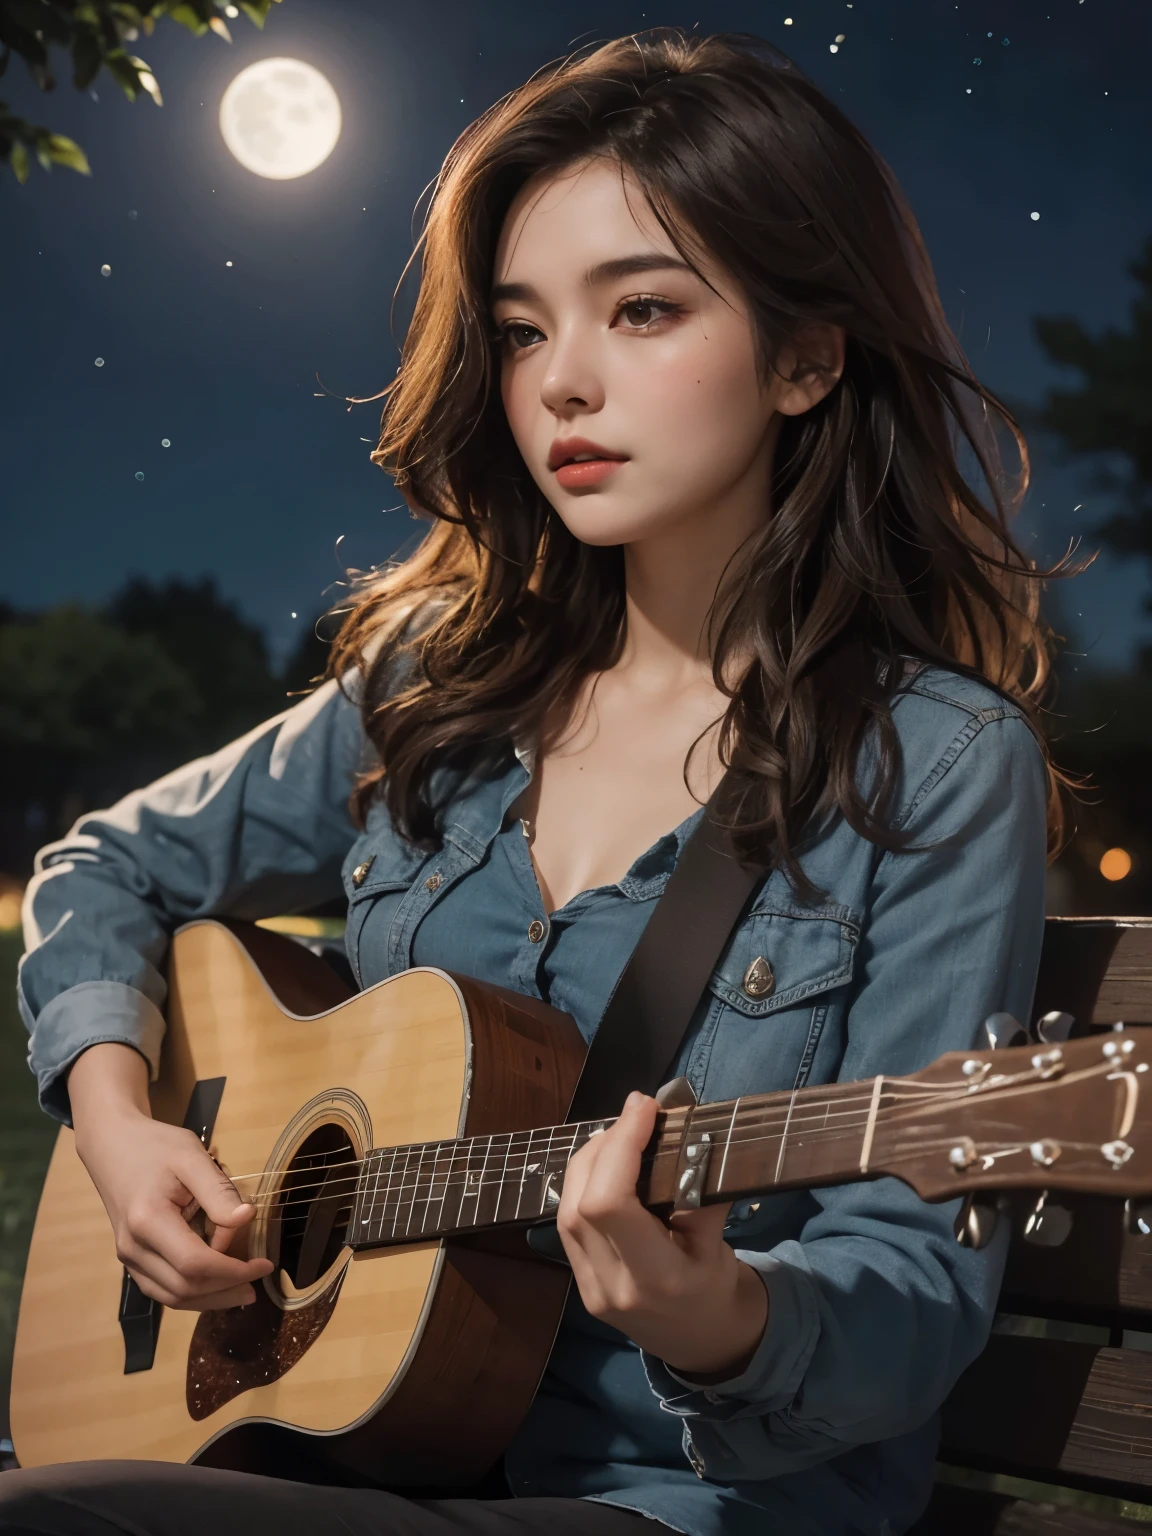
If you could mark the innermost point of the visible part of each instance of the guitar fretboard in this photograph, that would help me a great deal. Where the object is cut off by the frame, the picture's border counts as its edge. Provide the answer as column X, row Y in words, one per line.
column 761, row 1142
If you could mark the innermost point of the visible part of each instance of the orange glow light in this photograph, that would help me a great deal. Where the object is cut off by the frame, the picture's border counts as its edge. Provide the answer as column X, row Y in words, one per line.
column 1115, row 864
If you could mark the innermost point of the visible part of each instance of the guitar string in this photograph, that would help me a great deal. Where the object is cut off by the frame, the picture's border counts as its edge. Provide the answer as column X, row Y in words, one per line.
column 459, row 1147
column 797, row 1120
column 460, row 1151
column 394, row 1194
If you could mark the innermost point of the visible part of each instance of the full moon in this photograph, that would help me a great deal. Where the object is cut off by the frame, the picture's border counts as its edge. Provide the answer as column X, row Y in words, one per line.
column 280, row 118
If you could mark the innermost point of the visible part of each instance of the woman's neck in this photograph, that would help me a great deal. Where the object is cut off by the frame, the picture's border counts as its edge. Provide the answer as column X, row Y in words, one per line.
column 671, row 582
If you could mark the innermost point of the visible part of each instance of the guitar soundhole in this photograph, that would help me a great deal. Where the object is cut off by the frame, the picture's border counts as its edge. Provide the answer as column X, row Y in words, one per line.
column 308, row 1224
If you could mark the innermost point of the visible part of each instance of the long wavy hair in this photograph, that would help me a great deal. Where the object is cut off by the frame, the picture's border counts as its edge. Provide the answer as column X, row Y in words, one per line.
column 877, row 550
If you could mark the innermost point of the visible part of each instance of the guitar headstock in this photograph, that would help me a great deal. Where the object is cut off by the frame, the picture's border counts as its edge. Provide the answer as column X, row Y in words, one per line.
column 1062, row 1114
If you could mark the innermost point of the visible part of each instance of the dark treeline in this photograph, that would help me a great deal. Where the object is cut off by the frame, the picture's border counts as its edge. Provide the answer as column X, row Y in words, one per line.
column 95, row 702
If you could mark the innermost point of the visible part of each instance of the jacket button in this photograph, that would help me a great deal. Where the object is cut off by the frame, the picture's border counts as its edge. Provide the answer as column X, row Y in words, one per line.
column 433, row 882
column 758, row 978
column 536, row 931
column 360, row 873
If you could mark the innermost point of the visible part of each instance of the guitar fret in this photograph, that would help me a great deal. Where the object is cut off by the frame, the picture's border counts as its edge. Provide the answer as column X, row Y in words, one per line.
column 442, row 1149
column 727, row 1144
column 417, row 1196
column 503, row 1175
column 784, row 1136
column 400, row 1191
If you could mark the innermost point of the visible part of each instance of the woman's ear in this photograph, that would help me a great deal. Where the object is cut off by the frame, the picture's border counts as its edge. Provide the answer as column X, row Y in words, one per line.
column 808, row 366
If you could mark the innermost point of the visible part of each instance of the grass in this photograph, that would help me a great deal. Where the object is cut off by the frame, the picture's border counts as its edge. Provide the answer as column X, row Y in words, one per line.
column 26, row 1139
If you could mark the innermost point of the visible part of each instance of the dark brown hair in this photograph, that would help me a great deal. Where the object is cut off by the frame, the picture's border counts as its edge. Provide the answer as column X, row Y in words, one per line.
column 878, row 549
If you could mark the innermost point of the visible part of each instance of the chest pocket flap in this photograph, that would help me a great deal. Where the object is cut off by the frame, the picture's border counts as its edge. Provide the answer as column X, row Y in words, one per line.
column 380, row 860
column 783, row 954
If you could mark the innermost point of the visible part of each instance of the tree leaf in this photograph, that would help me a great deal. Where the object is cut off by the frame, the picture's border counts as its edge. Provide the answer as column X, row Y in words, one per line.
column 87, row 57
column 220, row 29
column 187, row 17
column 19, row 162
column 65, row 151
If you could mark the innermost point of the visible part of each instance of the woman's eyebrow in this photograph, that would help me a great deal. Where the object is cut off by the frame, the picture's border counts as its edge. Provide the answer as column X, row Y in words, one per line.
column 603, row 272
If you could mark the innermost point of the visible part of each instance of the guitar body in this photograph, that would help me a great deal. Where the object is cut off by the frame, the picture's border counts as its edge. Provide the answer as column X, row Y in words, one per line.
column 409, row 1364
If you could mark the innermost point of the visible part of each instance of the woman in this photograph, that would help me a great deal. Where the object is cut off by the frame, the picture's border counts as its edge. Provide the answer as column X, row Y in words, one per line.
column 711, row 519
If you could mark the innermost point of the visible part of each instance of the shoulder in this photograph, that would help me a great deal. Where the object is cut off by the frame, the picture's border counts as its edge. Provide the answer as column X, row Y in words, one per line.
column 388, row 660
column 952, row 727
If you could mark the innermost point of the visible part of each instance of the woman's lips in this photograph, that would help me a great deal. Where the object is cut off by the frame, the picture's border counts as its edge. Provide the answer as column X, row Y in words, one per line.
column 591, row 472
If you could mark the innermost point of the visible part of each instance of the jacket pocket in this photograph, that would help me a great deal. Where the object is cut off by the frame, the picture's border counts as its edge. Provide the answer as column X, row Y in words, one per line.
column 784, row 954
column 380, row 860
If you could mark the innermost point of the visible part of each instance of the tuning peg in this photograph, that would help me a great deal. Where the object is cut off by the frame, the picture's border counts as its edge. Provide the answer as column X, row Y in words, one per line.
column 1054, row 1028
column 1002, row 1030
column 1138, row 1217
column 1047, row 1225
column 975, row 1225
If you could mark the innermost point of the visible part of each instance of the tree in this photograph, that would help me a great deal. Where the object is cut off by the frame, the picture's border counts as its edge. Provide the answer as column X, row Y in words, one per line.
column 223, row 656
column 94, row 703
column 95, row 34
column 1111, row 412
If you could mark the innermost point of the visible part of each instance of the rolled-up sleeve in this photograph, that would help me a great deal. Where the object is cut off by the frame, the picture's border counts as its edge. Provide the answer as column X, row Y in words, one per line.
column 876, row 1309
column 257, row 828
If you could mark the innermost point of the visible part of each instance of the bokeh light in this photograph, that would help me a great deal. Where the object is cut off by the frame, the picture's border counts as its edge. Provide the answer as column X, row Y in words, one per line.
column 1116, row 864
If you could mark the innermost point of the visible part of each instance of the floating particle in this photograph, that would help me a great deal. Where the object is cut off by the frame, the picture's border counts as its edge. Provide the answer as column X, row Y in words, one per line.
column 165, row 442
column 105, row 270
column 227, row 263
column 975, row 61
column 833, row 48
column 99, row 362
column 840, row 37
column 787, row 21
column 139, row 474
column 292, row 615
column 1034, row 216
column 231, row 12
column 1005, row 42
column 132, row 214
column 968, row 91
column 989, row 34
column 365, row 439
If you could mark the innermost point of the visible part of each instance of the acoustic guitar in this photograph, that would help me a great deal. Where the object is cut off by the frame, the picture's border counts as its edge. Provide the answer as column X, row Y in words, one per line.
column 399, row 1142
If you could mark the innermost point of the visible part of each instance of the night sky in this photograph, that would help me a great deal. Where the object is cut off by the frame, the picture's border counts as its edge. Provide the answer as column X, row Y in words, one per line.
column 262, row 478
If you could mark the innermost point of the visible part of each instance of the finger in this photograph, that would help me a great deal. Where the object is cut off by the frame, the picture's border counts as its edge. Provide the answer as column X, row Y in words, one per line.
column 166, row 1233
column 213, row 1190
column 163, row 1282
column 696, row 1231
column 608, row 1197
column 236, row 1296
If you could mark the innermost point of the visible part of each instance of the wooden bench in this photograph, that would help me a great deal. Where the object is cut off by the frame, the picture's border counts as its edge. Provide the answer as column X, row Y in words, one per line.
column 1062, row 1396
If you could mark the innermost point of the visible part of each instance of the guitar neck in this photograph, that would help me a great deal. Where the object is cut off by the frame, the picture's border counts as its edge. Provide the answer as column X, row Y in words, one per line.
column 723, row 1151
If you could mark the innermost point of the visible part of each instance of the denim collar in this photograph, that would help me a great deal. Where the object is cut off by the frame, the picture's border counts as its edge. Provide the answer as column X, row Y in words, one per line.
column 480, row 807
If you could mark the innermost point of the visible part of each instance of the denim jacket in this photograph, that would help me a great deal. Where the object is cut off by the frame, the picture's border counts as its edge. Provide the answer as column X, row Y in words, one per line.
column 874, row 1308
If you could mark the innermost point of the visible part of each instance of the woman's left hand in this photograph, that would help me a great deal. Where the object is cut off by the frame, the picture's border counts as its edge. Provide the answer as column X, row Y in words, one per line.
column 675, row 1288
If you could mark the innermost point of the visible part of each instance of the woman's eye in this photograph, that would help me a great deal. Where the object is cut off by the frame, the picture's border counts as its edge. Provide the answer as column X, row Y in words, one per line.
column 642, row 315
column 653, row 309
column 513, row 335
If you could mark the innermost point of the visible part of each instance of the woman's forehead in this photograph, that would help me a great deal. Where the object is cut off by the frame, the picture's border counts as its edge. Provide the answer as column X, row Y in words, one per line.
column 580, row 217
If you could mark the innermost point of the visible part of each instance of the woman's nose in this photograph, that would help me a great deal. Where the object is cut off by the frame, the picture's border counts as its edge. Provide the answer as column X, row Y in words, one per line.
column 572, row 375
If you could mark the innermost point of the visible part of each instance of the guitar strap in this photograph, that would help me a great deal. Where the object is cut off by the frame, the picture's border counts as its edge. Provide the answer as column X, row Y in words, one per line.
column 646, row 1018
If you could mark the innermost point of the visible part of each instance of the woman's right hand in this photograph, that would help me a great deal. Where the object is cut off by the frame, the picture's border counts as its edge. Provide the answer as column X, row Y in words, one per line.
column 152, row 1177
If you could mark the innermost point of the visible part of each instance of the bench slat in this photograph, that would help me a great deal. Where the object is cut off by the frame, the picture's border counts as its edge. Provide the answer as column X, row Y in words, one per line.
column 1056, row 1410
column 1097, row 969
column 1101, row 1273
column 971, row 1512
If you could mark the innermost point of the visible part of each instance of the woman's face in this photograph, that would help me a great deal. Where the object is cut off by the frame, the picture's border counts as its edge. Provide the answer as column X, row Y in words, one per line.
column 609, row 337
